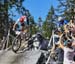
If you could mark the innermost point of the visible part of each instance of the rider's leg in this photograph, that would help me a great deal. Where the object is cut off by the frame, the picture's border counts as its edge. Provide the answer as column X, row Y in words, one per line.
column 22, row 29
column 22, row 25
column 25, row 30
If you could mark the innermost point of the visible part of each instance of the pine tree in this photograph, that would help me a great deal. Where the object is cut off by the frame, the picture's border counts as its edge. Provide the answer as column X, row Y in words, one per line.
column 5, row 6
column 67, row 8
column 40, row 24
column 49, row 25
column 32, row 25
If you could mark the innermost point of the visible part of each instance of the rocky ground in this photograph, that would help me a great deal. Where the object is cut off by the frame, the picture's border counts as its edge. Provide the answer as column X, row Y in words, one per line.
column 28, row 57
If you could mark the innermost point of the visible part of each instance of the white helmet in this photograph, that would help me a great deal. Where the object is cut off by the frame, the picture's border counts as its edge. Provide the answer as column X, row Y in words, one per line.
column 60, row 18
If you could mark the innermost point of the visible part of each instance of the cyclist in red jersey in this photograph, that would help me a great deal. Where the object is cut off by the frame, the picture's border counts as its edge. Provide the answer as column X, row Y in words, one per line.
column 22, row 21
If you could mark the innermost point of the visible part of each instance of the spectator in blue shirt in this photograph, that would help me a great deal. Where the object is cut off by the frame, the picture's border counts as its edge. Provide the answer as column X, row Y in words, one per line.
column 62, row 21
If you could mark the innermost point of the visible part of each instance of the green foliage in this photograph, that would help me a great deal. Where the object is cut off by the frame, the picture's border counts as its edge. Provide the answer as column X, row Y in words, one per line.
column 47, row 28
column 40, row 21
column 50, row 14
column 67, row 8
column 33, row 29
column 5, row 6
column 31, row 19
column 32, row 25
column 48, row 25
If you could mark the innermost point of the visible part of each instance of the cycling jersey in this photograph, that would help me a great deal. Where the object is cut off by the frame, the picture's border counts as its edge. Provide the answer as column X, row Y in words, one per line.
column 21, row 22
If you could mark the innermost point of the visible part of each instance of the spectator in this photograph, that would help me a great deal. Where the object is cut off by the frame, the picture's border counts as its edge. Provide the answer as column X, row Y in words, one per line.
column 68, row 51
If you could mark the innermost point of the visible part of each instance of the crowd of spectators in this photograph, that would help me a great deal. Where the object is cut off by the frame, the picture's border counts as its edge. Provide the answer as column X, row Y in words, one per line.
column 64, row 40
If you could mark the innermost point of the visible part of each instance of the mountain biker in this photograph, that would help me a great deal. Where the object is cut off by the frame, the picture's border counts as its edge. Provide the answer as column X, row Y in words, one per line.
column 21, row 22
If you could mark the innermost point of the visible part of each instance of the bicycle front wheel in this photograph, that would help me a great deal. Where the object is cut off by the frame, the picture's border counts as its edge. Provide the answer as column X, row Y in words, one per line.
column 16, row 44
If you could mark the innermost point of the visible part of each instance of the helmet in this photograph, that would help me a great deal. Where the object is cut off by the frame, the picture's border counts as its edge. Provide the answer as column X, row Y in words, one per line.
column 23, row 18
column 60, row 18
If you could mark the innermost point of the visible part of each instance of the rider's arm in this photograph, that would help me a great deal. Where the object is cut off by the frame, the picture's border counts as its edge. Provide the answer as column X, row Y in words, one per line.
column 53, row 42
column 15, row 24
column 61, row 43
column 53, row 48
column 66, row 28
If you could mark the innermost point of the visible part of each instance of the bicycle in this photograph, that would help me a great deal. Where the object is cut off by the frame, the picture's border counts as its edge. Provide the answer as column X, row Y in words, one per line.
column 20, row 42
